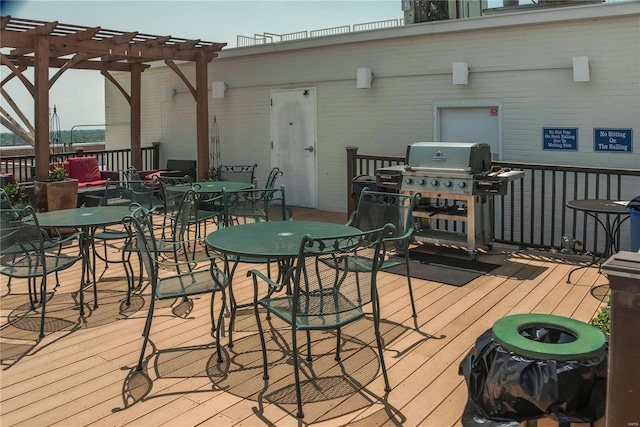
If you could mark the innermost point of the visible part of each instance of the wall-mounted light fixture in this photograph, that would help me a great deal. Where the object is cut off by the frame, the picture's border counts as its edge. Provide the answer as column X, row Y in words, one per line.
column 169, row 94
column 364, row 78
column 581, row 69
column 218, row 89
column 460, row 73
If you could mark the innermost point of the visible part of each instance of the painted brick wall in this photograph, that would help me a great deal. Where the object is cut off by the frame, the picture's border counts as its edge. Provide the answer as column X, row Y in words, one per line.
column 526, row 69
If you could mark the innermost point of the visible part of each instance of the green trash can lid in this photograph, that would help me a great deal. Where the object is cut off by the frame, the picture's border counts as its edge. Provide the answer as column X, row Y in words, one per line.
column 589, row 341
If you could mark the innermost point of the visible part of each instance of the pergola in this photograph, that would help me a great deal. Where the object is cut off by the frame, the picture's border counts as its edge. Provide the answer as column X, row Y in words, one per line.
column 44, row 45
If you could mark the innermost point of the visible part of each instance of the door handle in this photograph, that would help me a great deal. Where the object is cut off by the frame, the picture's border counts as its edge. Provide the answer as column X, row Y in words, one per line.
column 310, row 148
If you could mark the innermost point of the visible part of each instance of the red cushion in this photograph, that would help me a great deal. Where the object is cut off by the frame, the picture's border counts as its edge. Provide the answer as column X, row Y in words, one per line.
column 84, row 169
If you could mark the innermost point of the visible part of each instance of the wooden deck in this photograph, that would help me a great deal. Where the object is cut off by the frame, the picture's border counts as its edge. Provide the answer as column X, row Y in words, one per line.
column 82, row 372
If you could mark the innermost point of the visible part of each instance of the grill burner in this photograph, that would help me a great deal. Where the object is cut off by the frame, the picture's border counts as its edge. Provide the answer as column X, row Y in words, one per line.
column 456, row 182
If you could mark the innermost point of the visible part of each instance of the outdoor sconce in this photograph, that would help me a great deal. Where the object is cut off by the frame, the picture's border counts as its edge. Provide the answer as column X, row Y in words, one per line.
column 218, row 89
column 460, row 73
column 364, row 78
column 169, row 94
column 580, row 68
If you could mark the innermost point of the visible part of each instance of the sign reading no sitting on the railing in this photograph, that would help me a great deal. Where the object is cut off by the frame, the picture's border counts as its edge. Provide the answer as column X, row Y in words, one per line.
column 560, row 139
column 613, row 140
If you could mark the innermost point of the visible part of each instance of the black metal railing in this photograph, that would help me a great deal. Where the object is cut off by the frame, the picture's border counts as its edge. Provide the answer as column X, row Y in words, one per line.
column 23, row 167
column 533, row 213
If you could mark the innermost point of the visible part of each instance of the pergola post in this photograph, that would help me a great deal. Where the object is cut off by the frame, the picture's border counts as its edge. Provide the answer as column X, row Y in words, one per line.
column 135, row 108
column 202, row 115
column 41, row 108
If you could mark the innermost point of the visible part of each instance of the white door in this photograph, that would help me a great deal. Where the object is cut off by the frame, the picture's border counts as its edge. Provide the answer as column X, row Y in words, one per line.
column 471, row 124
column 293, row 144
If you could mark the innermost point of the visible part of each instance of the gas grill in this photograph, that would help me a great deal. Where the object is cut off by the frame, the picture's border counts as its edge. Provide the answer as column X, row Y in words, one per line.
column 456, row 182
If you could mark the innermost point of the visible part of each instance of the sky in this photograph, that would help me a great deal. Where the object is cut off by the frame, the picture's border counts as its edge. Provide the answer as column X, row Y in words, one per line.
column 79, row 94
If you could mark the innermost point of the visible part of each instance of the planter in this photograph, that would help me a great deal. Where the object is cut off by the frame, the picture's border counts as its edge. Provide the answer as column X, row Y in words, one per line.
column 55, row 195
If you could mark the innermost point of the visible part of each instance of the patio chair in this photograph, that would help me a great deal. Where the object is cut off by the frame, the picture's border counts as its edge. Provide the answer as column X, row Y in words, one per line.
column 273, row 176
column 27, row 252
column 255, row 205
column 238, row 173
column 375, row 209
column 120, row 193
column 333, row 278
column 171, row 200
column 186, row 278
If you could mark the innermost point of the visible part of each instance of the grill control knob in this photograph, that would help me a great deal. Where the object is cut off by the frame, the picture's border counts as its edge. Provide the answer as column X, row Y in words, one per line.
column 408, row 181
column 462, row 184
column 434, row 183
column 447, row 183
column 421, row 181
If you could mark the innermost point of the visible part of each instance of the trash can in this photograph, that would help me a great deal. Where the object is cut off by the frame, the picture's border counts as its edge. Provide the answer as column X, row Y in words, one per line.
column 634, row 220
column 361, row 182
column 530, row 366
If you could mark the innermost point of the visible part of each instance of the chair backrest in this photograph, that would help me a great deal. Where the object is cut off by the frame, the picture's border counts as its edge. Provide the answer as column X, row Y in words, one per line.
column 343, row 270
column 254, row 205
column 20, row 233
column 131, row 174
column 375, row 209
column 123, row 193
column 237, row 173
column 5, row 201
column 139, row 225
column 171, row 199
column 273, row 176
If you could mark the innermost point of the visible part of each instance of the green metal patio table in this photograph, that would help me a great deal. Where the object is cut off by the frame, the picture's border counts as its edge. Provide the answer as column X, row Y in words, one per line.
column 210, row 186
column 270, row 240
column 85, row 219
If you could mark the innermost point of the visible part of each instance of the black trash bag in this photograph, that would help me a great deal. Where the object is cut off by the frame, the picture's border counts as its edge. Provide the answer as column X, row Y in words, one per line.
column 506, row 389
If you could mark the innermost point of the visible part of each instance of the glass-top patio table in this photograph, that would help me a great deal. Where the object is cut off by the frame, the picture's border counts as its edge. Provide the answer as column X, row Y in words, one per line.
column 85, row 219
column 265, row 241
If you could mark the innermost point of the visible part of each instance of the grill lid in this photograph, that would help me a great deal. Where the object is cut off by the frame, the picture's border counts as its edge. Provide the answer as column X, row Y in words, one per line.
column 468, row 157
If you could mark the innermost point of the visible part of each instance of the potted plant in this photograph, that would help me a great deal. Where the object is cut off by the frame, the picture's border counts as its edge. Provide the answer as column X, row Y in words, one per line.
column 602, row 320
column 58, row 192
column 17, row 195
column 211, row 174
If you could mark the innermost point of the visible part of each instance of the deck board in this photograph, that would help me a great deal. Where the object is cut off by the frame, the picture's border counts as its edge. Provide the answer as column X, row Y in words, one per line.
column 77, row 376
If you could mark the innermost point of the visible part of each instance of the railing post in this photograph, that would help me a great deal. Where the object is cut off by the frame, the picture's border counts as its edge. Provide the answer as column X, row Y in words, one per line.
column 351, row 173
column 155, row 155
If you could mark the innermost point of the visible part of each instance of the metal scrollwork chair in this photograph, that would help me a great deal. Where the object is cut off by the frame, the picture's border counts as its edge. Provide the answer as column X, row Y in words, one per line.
column 174, row 279
column 255, row 205
column 28, row 252
column 333, row 279
column 375, row 209
column 273, row 176
column 238, row 173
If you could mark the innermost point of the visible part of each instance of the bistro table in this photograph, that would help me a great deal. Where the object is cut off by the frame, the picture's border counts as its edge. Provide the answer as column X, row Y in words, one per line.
column 210, row 186
column 271, row 240
column 611, row 227
column 86, row 219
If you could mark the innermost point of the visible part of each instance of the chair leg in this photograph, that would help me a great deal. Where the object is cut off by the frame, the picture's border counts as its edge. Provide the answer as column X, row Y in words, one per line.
column 145, row 332
column 43, row 298
column 338, row 333
column 406, row 260
column 296, row 367
column 220, row 322
column 309, row 356
column 265, row 374
column 376, row 327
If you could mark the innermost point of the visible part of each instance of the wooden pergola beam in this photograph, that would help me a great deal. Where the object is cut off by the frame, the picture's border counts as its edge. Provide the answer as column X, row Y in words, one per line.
column 43, row 45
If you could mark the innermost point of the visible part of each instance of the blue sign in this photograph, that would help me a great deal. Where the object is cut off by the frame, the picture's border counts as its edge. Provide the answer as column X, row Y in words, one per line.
column 613, row 140
column 560, row 139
